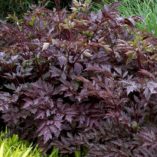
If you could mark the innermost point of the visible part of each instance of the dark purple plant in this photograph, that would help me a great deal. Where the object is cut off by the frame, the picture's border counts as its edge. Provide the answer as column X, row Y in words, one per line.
column 80, row 80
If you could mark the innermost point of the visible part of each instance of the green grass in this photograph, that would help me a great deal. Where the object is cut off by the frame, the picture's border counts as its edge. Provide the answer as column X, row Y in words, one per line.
column 147, row 9
column 14, row 147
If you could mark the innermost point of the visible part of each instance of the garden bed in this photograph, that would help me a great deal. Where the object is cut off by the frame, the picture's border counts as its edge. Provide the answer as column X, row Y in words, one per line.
column 80, row 82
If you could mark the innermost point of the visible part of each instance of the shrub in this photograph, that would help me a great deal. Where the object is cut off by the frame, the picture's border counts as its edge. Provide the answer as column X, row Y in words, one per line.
column 80, row 81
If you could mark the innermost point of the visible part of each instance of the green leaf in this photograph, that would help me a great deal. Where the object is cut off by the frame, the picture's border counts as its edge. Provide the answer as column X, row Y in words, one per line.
column 27, row 152
column 55, row 153
column 2, row 150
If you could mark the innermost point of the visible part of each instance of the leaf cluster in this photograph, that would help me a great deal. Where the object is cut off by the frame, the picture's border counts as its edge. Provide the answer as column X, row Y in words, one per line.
column 80, row 81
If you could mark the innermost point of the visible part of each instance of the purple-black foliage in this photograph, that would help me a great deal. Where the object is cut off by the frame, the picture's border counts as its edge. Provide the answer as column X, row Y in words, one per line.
column 80, row 79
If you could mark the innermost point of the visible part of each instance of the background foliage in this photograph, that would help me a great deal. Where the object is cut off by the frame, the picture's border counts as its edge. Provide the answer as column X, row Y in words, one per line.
column 147, row 9
column 19, row 7
column 13, row 6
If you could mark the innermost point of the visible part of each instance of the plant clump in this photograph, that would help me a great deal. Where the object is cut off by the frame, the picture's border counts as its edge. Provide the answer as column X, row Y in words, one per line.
column 80, row 81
